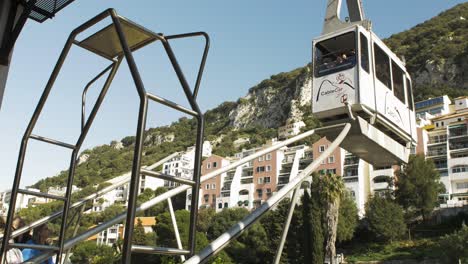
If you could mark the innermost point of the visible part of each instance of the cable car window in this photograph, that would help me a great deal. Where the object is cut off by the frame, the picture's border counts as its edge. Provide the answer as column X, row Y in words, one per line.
column 409, row 92
column 364, row 53
column 398, row 85
column 335, row 54
column 382, row 66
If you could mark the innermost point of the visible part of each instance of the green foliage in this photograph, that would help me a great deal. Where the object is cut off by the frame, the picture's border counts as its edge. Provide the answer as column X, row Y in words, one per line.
column 418, row 185
column 313, row 214
column 347, row 219
column 385, row 218
column 440, row 39
column 89, row 252
column 455, row 246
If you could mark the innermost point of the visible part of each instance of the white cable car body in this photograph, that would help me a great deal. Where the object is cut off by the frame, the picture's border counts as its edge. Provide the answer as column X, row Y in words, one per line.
column 357, row 77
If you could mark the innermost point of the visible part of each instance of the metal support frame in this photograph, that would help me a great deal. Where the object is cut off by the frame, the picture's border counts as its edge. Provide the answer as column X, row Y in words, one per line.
column 174, row 225
column 224, row 239
column 284, row 234
column 180, row 189
column 142, row 116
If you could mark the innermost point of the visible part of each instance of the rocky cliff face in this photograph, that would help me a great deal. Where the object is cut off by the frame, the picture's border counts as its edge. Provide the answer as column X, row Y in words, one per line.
column 274, row 101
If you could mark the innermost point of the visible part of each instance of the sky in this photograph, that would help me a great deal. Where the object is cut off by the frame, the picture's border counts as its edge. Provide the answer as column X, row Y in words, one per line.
column 250, row 41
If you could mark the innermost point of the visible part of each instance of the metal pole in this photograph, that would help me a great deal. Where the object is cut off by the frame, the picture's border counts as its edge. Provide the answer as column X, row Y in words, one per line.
column 223, row 240
column 174, row 225
column 198, row 146
column 85, row 90
column 75, row 230
column 73, row 160
column 286, row 225
column 24, row 143
column 205, row 54
column 130, row 222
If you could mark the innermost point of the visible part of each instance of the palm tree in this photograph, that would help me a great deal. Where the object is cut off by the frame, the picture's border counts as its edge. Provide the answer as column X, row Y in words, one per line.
column 331, row 187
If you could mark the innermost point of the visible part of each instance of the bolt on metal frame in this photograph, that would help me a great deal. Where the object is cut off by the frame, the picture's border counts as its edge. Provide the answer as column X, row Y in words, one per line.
column 126, row 37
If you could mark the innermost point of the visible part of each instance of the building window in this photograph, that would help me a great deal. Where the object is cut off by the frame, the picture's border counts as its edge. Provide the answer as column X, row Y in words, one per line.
column 208, row 165
column 260, row 193
column 459, row 168
column 267, row 179
column 220, row 205
column 215, row 164
column 331, row 171
column 206, row 197
column 323, row 162
column 213, row 198
column 213, row 186
column 331, row 159
column 268, row 156
column 261, row 169
column 243, row 192
column 260, row 180
column 207, row 187
column 260, row 158
column 268, row 168
column 462, row 185
column 322, row 148
column 226, row 205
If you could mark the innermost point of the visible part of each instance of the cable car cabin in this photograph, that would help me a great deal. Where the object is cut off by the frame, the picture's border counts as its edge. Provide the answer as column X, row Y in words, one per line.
column 356, row 75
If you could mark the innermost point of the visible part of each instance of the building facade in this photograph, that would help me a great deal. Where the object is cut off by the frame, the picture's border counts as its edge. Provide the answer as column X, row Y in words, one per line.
column 443, row 131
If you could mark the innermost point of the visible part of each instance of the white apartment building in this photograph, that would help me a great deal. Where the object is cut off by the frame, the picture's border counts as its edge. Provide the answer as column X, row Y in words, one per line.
column 444, row 139
column 290, row 129
column 22, row 201
column 182, row 165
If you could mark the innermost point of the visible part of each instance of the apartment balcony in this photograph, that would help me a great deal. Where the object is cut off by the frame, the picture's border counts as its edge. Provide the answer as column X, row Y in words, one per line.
column 436, row 153
column 349, row 179
column 283, row 182
column 307, row 157
column 459, row 131
column 433, row 142
column 459, row 176
column 247, row 181
column 459, row 146
column 351, row 161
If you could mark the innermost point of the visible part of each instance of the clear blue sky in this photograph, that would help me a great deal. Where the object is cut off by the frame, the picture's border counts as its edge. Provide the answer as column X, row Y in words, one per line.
column 251, row 40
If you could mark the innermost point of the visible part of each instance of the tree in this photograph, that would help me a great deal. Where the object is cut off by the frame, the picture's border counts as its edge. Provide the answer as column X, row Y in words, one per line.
column 348, row 218
column 418, row 186
column 455, row 246
column 385, row 218
column 331, row 188
column 88, row 252
column 205, row 217
column 312, row 215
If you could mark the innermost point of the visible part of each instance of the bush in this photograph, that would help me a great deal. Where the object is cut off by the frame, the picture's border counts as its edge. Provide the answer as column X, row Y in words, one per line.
column 385, row 218
column 455, row 246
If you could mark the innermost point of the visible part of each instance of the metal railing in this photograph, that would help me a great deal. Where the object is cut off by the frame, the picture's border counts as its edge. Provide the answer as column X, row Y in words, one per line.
column 167, row 195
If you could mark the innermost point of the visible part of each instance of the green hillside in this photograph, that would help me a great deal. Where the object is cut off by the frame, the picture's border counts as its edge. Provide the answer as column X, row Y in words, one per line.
column 436, row 53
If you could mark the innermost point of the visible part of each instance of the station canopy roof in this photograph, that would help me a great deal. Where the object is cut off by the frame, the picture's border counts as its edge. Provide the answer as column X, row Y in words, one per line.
column 41, row 10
